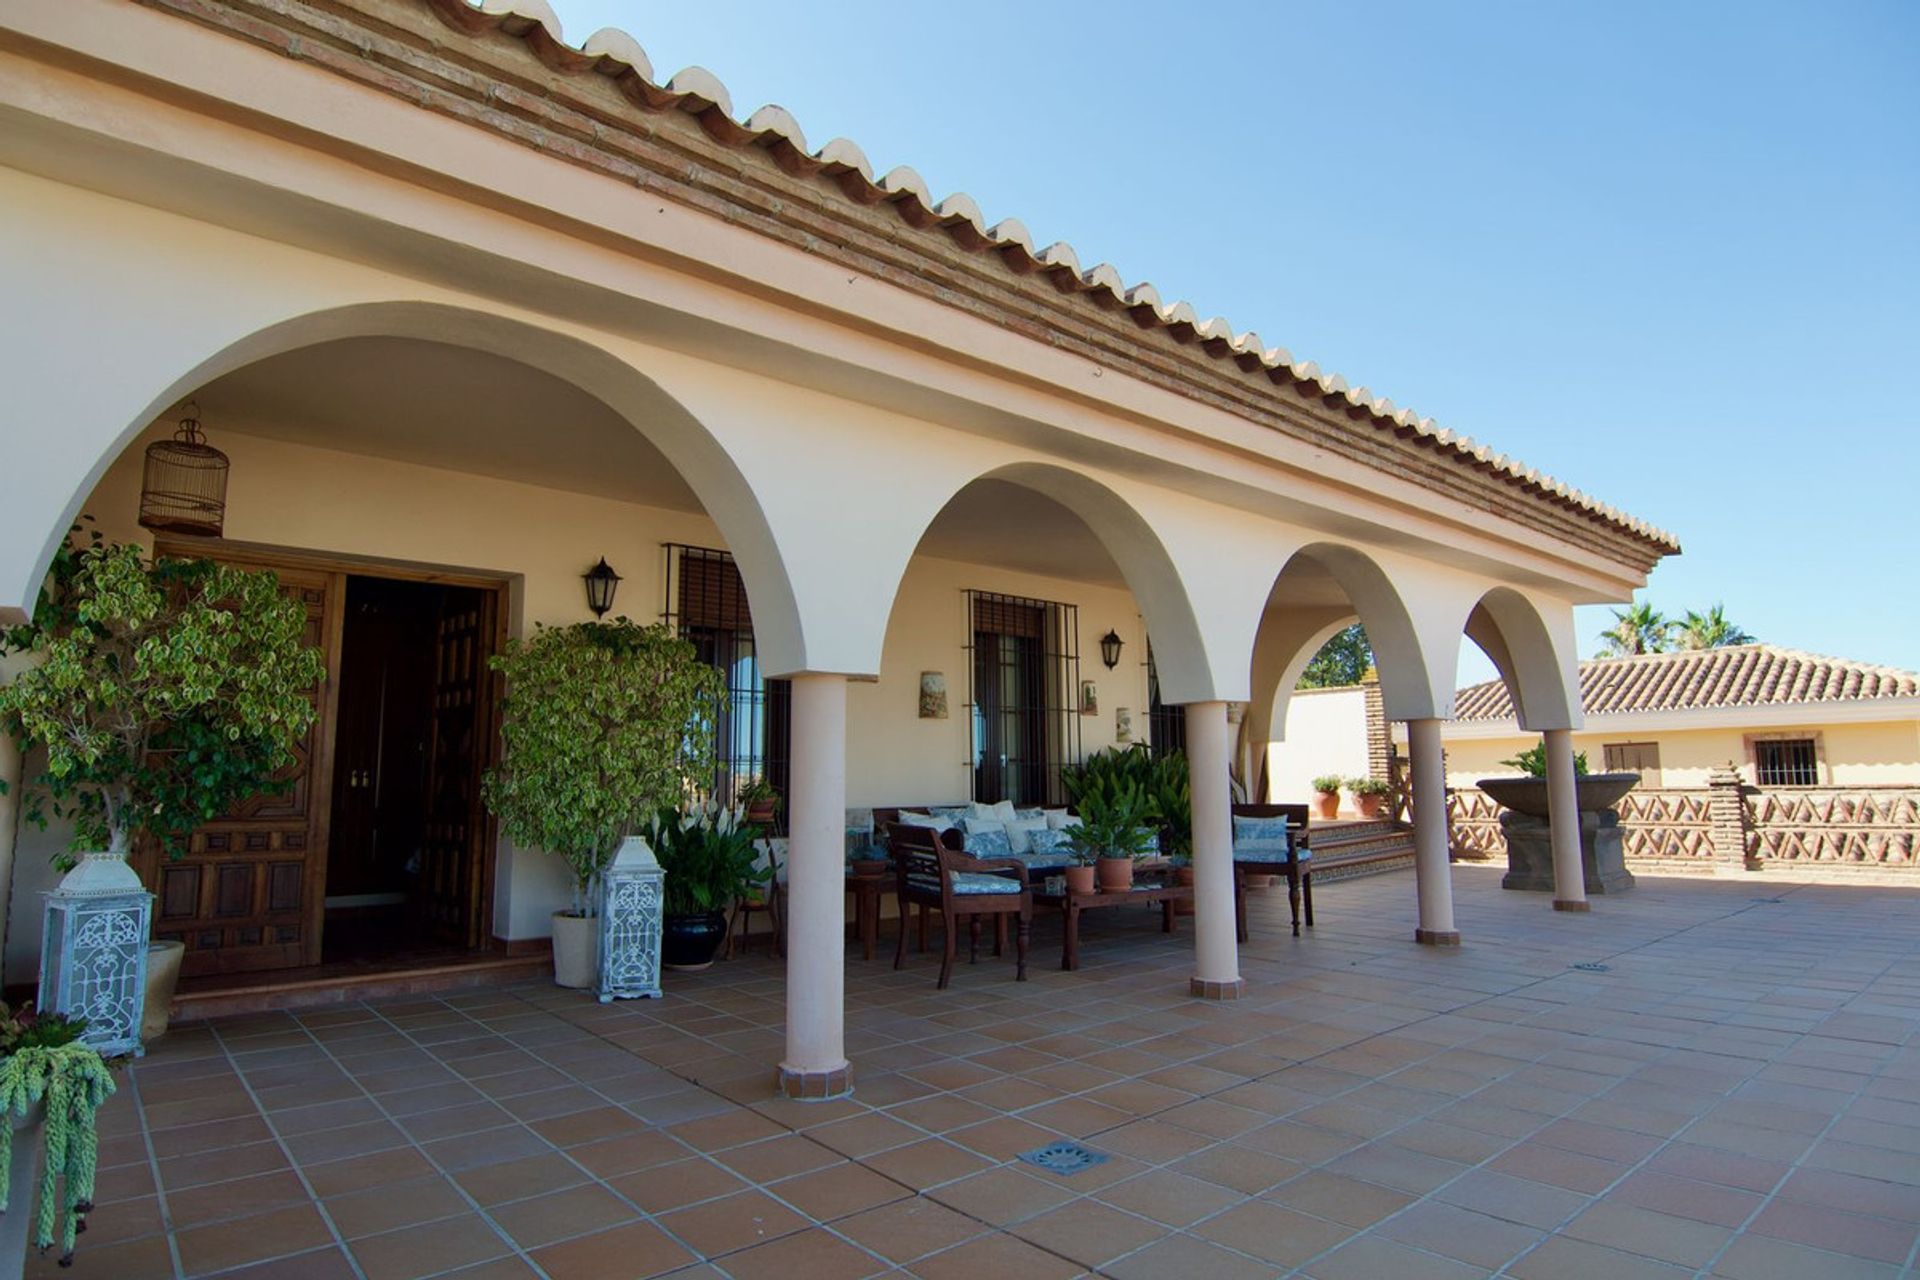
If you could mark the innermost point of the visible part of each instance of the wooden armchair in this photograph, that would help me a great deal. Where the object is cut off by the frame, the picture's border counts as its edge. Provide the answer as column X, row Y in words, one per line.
column 1295, row 866
column 933, row 876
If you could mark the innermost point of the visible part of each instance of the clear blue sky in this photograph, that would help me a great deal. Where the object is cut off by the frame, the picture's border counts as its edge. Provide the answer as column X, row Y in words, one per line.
column 1669, row 253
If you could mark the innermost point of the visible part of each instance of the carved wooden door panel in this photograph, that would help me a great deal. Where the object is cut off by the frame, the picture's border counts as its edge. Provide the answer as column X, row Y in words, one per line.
column 249, row 892
column 453, row 852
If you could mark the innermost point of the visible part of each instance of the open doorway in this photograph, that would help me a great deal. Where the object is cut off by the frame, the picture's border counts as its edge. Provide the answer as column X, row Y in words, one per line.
column 408, row 748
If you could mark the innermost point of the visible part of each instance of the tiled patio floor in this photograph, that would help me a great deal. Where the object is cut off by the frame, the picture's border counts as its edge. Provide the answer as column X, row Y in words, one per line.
column 1736, row 1094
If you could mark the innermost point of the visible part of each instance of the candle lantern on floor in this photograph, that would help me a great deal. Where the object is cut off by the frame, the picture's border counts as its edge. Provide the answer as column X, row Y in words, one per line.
column 631, row 891
column 93, row 954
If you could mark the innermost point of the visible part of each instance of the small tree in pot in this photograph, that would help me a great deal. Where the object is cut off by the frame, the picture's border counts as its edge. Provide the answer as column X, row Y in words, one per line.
column 162, row 692
column 1326, row 796
column 604, row 724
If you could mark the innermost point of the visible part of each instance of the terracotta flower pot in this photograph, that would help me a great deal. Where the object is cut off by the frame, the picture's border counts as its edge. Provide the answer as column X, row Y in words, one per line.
column 1080, row 879
column 1326, row 805
column 1183, row 876
column 1370, row 806
column 1116, row 874
column 870, row 866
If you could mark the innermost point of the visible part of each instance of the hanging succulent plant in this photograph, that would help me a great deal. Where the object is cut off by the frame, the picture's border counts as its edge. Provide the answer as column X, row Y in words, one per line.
column 42, row 1060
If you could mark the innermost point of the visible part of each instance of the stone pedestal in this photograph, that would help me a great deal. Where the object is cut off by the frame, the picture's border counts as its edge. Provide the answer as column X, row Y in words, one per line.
column 1530, row 852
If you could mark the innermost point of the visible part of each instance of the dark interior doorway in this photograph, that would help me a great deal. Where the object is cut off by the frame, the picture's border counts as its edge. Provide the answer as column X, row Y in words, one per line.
column 403, row 873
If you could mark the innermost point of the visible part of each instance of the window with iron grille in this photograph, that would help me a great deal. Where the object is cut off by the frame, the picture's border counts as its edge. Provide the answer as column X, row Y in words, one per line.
column 1023, row 671
column 1166, row 724
column 1786, row 762
column 706, row 603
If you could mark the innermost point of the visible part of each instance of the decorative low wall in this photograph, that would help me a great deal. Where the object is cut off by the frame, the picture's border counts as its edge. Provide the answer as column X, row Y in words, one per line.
column 1732, row 823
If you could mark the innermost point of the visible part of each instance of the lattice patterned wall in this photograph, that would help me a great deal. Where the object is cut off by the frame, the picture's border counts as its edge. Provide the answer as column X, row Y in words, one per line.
column 1668, row 824
column 1473, row 820
column 1876, row 826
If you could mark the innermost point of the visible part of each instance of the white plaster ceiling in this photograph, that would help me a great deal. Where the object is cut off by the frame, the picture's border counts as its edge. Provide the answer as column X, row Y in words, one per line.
column 439, row 405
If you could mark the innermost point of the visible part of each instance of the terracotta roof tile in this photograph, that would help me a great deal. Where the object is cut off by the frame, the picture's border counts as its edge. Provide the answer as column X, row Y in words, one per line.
column 617, row 55
column 1749, row 675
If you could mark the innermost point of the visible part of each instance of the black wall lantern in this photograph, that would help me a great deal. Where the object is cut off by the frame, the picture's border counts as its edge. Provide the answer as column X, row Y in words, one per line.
column 601, row 581
column 1110, row 649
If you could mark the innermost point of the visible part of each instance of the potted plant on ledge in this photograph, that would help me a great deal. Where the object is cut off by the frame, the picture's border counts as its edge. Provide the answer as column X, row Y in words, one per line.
column 1369, row 795
column 163, row 693
column 710, row 863
column 603, row 725
column 51, row 1089
column 1326, row 796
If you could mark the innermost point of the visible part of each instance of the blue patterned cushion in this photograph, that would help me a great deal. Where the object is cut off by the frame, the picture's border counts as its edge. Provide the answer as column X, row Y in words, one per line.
column 953, row 813
column 988, row 841
column 1041, row 863
column 972, row 882
column 1262, row 839
column 1151, row 849
column 1049, row 842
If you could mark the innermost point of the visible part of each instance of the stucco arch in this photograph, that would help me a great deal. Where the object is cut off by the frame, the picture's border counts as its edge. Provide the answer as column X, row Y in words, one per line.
column 1541, row 674
column 108, row 428
column 1151, row 573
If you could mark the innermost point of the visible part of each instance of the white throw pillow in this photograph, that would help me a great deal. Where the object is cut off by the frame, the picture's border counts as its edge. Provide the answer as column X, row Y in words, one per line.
column 932, row 822
column 1004, row 811
column 983, row 826
column 1019, row 832
column 1057, row 819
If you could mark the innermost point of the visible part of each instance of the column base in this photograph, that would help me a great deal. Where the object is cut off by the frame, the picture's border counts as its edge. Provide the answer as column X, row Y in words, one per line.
column 1207, row 989
column 814, row 1086
column 1437, row 937
column 1561, row 904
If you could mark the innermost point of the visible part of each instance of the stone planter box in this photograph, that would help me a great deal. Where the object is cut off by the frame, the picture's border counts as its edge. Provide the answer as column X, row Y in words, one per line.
column 1523, row 821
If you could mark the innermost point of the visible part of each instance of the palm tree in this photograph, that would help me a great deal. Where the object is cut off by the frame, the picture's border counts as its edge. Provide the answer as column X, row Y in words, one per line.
column 1710, row 630
column 1636, row 630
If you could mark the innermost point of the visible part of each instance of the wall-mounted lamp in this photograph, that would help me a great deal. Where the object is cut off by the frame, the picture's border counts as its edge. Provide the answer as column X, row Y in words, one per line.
column 601, row 581
column 1110, row 649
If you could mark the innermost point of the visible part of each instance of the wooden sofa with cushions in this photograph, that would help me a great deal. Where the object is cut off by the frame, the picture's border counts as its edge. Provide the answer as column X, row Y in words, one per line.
column 1296, row 866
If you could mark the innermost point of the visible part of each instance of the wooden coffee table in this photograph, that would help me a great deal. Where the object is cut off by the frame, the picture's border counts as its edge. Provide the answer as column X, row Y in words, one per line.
column 1072, row 905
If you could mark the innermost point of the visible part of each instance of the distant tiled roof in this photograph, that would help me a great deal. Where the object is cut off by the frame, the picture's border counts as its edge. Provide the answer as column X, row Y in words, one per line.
column 1747, row 675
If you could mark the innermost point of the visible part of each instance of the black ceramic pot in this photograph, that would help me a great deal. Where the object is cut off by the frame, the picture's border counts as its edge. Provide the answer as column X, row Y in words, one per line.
column 691, row 942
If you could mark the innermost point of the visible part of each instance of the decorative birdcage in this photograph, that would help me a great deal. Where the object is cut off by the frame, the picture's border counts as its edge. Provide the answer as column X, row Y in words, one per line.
column 632, row 891
column 185, row 487
column 93, row 955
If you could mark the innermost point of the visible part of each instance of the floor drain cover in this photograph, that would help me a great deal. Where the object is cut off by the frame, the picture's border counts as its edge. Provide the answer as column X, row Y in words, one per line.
column 1590, row 966
column 1063, row 1157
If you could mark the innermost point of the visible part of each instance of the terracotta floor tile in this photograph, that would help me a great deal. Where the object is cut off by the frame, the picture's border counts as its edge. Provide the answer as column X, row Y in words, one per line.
column 239, row 1241
column 399, row 1204
column 1660, row 1236
column 643, row 1150
column 1683, row 1197
column 490, row 1146
column 1171, row 1198
column 1518, row 1200
column 344, row 1142
column 632, row 1252
column 865, row 1134
column 995, row 1255
column 428, row 1249
column 909, row 1229
column 927, row 1163
column 1837, row 1232
column 560, row 1215
column 774, row 1158
column 1756, row 1257
column 147, row 1258
column 1003, row 1195
column 1458, row 1233
column 317, row 1264
column 239, row 1198
column 941, row 1113
column 737, row 1221
column 492, row 1184
column 1236, row 1168
column 1272, row 1232
column 838, row 1191
column 1564, row 1258
column 1090, row 1233
column 384, row 1168
column 1559, row 1168
column 1185, row 1255
column 594, row 1125
column 674, row 1186
column 1372, row 1257
column 809, row 1255
column 1003, row 1138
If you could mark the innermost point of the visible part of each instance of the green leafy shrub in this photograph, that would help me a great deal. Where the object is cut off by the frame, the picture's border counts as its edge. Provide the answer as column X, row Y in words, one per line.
column 1329, row 784
column 604, row 724
column 709, row 857
column 1533, row 762
column 1369, row 787
column 164, row 692
column 1116, row 794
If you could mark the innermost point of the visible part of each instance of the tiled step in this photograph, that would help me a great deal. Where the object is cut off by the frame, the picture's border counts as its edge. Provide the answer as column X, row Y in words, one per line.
column 218, row 997
column 1347, row 849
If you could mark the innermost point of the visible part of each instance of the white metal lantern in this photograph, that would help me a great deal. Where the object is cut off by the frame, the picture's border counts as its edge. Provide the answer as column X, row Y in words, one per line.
column 631, row 891
column 93, row 956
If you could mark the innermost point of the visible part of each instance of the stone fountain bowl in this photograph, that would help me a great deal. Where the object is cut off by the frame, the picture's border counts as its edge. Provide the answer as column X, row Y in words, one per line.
column 1529, row 795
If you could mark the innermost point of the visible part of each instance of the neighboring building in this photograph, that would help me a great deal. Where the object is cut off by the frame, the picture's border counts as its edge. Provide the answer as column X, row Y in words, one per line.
column 1779, row 717
column 470, row 307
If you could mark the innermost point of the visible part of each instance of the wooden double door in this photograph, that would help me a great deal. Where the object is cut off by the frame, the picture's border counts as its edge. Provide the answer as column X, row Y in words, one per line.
column 381, row 816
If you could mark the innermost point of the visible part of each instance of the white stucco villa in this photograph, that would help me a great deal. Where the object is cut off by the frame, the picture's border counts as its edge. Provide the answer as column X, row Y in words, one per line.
column 471, row 305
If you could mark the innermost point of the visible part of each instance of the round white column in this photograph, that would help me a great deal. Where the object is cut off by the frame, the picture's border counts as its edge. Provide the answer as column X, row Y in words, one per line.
column 1216, row 951
column 816, row 1065
column 1430, row 852
column 1563, row 818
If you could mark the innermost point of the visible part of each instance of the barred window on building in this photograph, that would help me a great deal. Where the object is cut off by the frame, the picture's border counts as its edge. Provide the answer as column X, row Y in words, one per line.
column 1786, row 762
column 1023, row 673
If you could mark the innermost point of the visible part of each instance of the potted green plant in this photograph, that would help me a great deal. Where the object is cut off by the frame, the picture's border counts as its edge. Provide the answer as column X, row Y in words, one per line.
column 1080, row 872
column 760, row 800
column 1326, row 796
column 51, row 1089
column 603, row 724
column 1369, row 795
column 709, row 857
column 162, row 693
column 1114, row 794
